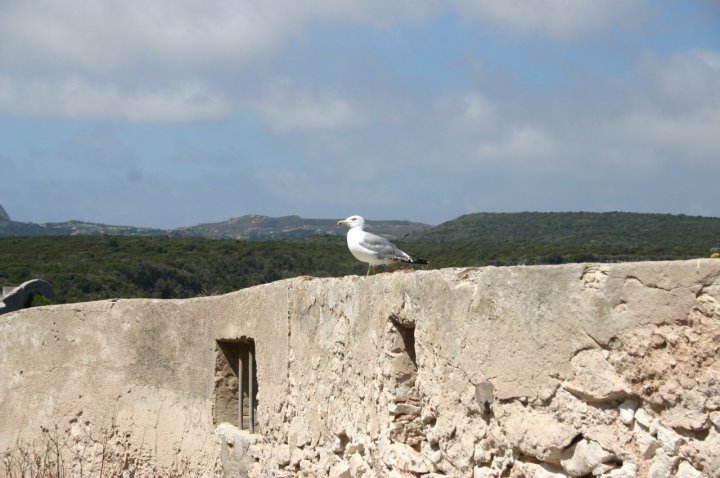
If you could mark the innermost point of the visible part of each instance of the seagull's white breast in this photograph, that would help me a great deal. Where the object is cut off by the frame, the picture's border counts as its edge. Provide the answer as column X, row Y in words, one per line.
column 354, row 238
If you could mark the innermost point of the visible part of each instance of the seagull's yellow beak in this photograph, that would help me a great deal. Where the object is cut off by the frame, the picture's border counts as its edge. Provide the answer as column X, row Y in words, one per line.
column 341, row 222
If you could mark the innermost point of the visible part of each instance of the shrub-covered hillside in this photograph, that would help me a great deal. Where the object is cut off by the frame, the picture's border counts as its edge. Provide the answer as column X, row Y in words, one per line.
column 98, row 267
column 85, row 268
column 552, row 237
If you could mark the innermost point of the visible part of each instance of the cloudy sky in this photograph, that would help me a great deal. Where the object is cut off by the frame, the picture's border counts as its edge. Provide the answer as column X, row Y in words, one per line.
column 174, row 112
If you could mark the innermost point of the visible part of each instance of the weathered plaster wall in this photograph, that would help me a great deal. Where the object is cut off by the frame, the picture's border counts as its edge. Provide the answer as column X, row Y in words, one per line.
column 575, row 370
column 131, row 381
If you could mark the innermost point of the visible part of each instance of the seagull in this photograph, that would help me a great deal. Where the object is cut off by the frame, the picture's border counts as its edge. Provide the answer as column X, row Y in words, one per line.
column 374, row 250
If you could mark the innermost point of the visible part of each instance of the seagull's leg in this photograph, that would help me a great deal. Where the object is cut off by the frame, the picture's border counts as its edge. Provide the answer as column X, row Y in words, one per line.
column 368, row 272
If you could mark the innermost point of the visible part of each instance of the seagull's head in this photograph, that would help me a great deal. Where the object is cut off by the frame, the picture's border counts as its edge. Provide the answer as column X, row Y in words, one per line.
column 352, row 221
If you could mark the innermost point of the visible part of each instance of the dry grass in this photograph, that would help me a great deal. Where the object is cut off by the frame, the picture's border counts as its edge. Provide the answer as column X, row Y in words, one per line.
column 60, row 455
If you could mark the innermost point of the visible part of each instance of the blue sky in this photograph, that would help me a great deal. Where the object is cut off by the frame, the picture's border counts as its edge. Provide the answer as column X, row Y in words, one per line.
column 172, row 113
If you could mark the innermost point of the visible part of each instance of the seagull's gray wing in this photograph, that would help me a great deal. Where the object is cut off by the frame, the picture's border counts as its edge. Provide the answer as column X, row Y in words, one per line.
column 382, row 247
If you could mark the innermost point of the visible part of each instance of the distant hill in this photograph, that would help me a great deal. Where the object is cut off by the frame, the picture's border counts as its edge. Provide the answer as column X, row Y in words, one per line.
column 554, row 237
column 481, row 238
column 83, row 266
column 73, row 228
column 256, row 227
column 3, row 215
column 251, row 227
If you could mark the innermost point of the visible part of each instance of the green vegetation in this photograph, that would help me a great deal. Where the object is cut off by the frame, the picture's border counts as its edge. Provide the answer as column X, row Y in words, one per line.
column 554, row 238
column 37, row 300
column 85, row 268
column 95, row 267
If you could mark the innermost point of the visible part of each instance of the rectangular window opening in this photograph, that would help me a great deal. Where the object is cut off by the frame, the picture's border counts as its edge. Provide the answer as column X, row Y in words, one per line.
column 236, row 385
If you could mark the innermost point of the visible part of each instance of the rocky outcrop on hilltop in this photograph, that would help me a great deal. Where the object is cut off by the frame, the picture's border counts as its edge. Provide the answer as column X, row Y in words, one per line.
column 3, row 215
column 579, row 370
column 256, row 227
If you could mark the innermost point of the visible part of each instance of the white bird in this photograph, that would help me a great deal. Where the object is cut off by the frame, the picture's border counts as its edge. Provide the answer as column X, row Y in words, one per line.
column 375, row 250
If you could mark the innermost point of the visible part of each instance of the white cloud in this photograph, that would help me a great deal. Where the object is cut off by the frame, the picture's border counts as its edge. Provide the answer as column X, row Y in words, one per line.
column 690, row 137
column 154, row 60
column 664, row 117
column 689, row 79
column 285, row 107
column 87, row 37
column 467, row 111
column 91, row 37
column 81, row 99
column 107, row 37
column 674, row 115
column 525, row 144
column 556, row 18
column 170, row 61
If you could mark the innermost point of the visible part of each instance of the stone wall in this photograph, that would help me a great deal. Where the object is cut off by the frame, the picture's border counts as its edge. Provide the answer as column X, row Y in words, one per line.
column 17, row 298
column 578, row 370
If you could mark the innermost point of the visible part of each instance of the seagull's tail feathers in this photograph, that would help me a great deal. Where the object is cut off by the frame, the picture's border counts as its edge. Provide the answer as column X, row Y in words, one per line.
column 412, row 260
